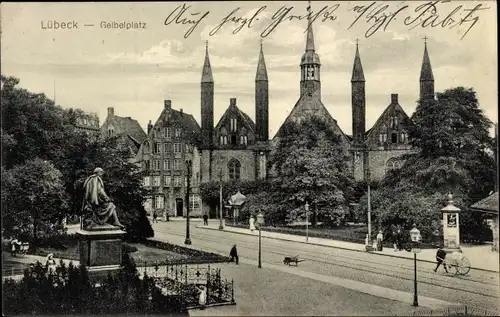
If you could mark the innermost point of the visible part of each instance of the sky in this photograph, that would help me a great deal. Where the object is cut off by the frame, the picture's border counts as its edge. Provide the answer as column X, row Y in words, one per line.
column 95, row 67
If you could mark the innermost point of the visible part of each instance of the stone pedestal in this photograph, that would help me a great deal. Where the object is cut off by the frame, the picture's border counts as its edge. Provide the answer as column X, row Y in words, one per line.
column 101, row 250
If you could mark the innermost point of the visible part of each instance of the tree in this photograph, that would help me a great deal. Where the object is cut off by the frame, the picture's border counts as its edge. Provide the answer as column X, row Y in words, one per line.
column 34, row 197
column 311, row 164
column 34, row 127
column 452, row 136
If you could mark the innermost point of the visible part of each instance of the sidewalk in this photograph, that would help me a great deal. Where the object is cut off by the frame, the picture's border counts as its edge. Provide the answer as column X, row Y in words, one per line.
column 480, row 257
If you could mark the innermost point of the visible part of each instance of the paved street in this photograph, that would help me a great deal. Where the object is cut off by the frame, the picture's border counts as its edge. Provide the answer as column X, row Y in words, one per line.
column 343, row 271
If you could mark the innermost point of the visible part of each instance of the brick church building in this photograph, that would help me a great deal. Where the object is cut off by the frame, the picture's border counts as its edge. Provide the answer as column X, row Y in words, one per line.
column 237, row 148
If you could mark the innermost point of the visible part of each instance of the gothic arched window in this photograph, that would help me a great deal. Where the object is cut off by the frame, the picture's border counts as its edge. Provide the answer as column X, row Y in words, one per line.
column 146, row 148
column 223, row 136
column 394, row 137
column 392, row 164
column 234, row 167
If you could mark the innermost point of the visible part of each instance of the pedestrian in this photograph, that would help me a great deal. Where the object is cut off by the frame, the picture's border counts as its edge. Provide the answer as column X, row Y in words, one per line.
column 234, row 254
column 50, row 264
column 205, row 219
column 440, row 257
column 380, row 238
column 14, row 245
column 155, row 216
column 251, row 223
column 202, row 299
column 395, row 240
column 400, row 239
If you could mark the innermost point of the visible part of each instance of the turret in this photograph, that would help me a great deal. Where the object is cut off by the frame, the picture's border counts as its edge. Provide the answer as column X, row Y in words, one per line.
column 261, row 99
column 310, row 64
column 207, row 102
column 358, row 99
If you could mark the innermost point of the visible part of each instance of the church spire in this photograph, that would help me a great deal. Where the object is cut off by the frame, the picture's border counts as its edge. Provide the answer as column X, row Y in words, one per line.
column 310, row 35
column 357, row 70
column 426, row 76
column 261, row 66
column 206, row 75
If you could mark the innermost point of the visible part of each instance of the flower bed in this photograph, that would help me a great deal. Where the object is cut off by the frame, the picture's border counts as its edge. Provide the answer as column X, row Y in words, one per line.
column 192, row 256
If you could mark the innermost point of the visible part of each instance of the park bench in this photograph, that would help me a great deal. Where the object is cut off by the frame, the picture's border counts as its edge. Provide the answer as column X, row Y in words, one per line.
column 292, row 259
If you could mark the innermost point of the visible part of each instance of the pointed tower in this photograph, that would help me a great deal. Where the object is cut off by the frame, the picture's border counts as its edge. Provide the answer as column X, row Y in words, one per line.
column 261, row 99
column 207, row 102
column 426, row 76
column 358, row 99
column 310, row 64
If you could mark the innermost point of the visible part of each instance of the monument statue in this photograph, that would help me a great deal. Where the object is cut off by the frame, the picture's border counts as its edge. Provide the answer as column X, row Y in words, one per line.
column 97, row 203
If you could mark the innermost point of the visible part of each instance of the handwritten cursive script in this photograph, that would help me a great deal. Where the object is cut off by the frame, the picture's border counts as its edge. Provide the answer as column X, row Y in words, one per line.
column 284, row 14
column 377, row 15
column 178, row 16
column 241, row 22
column 428, row 16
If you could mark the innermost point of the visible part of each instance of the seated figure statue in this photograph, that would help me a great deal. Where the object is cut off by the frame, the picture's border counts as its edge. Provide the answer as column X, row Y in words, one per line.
column 96, row 202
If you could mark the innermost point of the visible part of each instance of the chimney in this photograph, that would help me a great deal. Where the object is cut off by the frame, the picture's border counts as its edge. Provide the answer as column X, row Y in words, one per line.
column 182, row 112
column 150, row 126
column 168, row 104
column 232, row 102
column 394, row 99
column 111, row 111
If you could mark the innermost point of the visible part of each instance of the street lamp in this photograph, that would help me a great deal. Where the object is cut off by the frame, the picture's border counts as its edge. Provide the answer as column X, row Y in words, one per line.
column 415, row 238
column 260, row 221
column 221, row 225
column 188, row 189
column 307, row 221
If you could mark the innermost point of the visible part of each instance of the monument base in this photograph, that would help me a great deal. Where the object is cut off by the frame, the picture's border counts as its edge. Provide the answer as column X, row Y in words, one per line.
column 100, row 251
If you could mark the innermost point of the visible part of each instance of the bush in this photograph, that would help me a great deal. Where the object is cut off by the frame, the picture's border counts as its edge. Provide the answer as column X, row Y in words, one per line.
column 70, row 291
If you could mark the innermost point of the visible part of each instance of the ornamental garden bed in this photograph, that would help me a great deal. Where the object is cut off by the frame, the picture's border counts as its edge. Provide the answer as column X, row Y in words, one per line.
column 147, row 251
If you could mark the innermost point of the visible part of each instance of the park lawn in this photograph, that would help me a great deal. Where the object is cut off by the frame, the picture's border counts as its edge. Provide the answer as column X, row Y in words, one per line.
column 145, row 254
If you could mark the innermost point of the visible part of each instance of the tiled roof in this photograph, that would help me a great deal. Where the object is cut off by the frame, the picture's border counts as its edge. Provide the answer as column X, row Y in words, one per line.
column 187, row 120
column 249, row 122
column 131, row 128
column 310, row 104
column 489, row 204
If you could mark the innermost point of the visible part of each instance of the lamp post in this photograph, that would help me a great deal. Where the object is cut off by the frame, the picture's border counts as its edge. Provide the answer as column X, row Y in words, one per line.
column 188, row 188
column 260, row 221
column 368, row 176
column 221, row 224
column 415, row 238
column 307, row 221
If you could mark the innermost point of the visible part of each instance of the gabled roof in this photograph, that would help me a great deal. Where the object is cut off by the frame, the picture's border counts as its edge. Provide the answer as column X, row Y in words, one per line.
column 380, row 119
column 310, row 104
column 248, row 121
column 488, row 204
column 130, row 127
column 186, row 120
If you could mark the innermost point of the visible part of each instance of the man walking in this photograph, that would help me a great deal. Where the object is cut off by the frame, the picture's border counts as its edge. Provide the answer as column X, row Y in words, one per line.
column 205, row 219
column 155, row 216
column 234, row 254
column 440, row 256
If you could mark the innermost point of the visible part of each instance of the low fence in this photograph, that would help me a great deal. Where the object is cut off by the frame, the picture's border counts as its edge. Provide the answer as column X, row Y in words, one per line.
column 184, row 279
column 455, row 311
